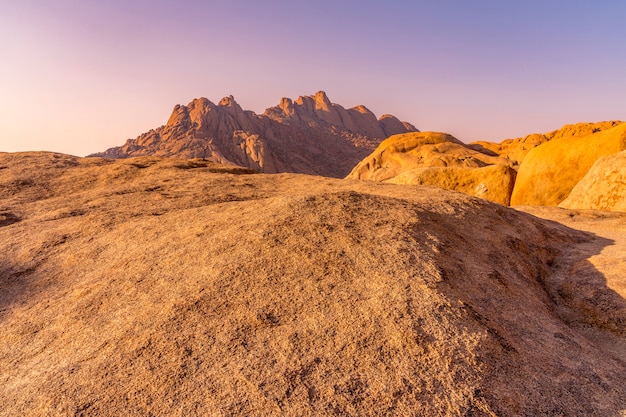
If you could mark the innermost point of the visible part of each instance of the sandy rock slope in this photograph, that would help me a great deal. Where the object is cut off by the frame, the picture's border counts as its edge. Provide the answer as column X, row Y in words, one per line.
column 150, row 286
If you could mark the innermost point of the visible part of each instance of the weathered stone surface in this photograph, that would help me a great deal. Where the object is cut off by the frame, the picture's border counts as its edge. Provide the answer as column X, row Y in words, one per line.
column 160, row 286
column 310, row 135
column 408, row 151
column 603, row 187
column 550, row 171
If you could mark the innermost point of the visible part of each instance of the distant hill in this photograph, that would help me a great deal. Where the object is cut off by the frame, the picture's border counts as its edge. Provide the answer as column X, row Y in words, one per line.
column 310, row 135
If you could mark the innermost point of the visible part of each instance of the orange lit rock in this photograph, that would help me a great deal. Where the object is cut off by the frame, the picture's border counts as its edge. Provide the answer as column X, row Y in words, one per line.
column 550, row 171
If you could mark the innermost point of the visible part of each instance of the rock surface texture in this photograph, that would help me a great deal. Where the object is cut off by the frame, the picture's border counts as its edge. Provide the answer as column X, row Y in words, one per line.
column 603, row 187
column 492, row 182
column 310, row 135
column 151, row 286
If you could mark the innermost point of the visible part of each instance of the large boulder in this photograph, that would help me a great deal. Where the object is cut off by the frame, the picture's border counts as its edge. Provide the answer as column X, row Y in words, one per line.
column 400, row 153
column 151, row 286
column 440, row 160
column 551, row 170
column 603, row 187
column 515, row 150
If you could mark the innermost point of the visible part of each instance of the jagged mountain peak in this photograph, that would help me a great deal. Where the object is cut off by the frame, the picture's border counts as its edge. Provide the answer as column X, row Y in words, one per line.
column 228, row 101
column 310, row 135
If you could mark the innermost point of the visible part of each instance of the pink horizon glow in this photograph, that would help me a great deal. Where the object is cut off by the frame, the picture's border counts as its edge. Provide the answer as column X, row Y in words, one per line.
column 81, row 76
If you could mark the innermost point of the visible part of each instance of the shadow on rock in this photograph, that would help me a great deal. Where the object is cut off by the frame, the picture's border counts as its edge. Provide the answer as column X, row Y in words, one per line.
column 7, row 218
column 530, row 288
column 15, row 282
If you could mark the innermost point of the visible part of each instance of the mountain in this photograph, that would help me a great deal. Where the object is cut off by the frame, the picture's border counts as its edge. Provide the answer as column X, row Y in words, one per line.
column 310, row 135
column 160, row 286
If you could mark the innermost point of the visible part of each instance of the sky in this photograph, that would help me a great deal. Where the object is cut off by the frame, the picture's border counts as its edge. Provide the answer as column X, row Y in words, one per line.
column 81, row 76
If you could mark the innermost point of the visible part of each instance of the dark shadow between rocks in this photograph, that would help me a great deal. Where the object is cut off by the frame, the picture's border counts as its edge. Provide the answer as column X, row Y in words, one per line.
column 481, row 149
column 580, row 291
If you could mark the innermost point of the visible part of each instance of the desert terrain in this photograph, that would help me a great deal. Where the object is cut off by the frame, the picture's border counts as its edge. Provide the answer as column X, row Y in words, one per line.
column 163, row 286
column 191, row 226
column 538, row 169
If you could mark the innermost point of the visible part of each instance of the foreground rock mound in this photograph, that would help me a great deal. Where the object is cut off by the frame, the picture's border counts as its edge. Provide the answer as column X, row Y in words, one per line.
column 603, row 187
column 310, row 135
column 169, row 287
column 440, row 160
column 550, row 171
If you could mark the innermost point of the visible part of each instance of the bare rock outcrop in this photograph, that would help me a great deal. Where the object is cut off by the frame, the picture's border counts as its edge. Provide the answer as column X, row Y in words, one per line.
column 515, row 150
column 603, row 187
column 309, row 135
column 160, row 286
column 489, row 170
column 440, row 160
column 550, row 171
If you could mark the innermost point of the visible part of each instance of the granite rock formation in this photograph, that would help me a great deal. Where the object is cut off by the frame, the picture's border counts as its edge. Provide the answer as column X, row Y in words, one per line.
column 310, row 135
column 492, row 182
column 440, row 160
column 159, row 286
column 603, row 187
column 556, row 161
column 515, row 150
column 551, row 170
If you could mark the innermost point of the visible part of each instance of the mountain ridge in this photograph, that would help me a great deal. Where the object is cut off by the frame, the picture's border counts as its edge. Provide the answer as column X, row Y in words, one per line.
column 309, row 135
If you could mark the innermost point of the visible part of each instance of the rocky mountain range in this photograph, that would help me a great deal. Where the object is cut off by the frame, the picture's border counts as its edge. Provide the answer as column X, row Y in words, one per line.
column 310, row 135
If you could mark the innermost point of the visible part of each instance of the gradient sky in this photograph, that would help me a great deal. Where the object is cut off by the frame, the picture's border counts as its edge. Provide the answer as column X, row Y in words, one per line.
column 80, row 76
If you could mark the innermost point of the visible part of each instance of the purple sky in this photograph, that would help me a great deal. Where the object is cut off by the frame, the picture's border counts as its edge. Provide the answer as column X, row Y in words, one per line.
column 80, row 76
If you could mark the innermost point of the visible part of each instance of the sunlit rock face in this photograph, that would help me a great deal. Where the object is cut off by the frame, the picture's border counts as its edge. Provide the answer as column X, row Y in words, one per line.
column 439, row 160
column 603, row 187
column 550, row 171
